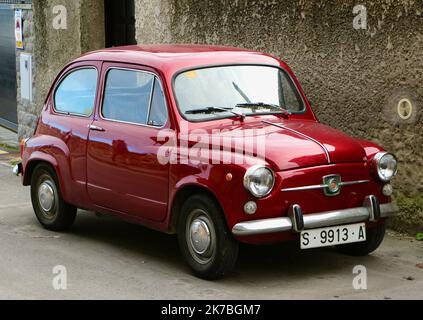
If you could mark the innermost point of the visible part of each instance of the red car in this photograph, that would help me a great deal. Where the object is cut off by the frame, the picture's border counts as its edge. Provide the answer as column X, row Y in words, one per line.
column 218, row 145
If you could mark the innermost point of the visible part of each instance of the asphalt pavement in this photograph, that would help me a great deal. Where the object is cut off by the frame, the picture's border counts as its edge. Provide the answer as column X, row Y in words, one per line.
column 105, row 258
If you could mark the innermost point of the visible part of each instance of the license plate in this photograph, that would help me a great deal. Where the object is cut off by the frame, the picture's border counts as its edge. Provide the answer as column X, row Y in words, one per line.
column 331, row 236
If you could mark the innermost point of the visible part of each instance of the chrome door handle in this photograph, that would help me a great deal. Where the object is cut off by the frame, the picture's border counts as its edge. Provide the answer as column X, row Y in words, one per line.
column 95, row 128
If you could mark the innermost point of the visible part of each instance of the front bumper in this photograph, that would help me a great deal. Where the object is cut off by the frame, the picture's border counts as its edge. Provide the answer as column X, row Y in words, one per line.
column 296, row 221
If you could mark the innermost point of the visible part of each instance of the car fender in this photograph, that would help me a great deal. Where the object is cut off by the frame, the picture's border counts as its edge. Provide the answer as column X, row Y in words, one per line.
column 52, row 151
column 222, row 181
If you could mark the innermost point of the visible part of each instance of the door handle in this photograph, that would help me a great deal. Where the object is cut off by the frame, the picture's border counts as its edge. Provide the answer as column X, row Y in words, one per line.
column 95, row 128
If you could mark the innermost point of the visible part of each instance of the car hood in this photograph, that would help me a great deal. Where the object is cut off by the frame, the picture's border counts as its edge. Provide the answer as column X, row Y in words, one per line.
column 290, row 144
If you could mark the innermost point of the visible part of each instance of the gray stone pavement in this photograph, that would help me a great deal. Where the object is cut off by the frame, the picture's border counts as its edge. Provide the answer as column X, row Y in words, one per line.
column 109, row 259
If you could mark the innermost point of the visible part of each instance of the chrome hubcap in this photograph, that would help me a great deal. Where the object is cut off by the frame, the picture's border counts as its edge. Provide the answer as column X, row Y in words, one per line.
column 46, row 196
column 200, row 236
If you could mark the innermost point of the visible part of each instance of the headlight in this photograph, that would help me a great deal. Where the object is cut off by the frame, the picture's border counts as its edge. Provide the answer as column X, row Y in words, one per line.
column 385, row 164
column 259, row 180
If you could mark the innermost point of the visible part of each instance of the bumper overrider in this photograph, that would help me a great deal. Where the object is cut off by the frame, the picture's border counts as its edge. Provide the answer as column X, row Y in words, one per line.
column 296, row 221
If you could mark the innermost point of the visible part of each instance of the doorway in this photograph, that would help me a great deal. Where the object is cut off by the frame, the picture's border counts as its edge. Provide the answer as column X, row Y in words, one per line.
column 120, row 22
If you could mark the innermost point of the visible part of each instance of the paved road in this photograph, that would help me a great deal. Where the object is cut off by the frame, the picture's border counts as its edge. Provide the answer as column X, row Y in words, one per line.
column 107, row 259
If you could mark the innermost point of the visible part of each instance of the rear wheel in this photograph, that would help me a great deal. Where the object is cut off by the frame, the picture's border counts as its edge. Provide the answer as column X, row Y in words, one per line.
column 50, row 209
column 374, row 238
column 204, row 238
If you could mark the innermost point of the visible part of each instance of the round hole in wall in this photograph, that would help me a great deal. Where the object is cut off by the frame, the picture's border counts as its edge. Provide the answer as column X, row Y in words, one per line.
column 405, row 108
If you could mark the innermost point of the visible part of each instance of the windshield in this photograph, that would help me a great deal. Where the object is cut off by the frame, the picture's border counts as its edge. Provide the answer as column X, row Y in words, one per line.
column 203, row 94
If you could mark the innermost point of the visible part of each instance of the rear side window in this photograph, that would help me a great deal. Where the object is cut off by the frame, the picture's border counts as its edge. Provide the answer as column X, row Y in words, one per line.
column 76, row 92
column 135, row 97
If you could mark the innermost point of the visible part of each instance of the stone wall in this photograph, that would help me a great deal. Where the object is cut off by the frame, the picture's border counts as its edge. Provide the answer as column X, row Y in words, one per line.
column 354, row 77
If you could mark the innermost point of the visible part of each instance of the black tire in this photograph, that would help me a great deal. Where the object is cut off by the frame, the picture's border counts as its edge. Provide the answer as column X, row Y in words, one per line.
column 219, row 257
column 56, row 214
column 374, row 238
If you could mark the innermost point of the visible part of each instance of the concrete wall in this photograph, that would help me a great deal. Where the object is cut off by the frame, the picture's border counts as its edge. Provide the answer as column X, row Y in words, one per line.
column 53, row 48
column 354, row 77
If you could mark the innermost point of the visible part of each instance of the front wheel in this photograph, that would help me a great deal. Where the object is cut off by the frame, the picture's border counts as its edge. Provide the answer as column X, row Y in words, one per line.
column 50, row 209
column 204, row 238
column 374, row 238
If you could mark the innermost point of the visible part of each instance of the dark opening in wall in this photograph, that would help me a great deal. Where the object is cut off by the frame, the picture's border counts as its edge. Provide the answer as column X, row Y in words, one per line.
column 120, row 22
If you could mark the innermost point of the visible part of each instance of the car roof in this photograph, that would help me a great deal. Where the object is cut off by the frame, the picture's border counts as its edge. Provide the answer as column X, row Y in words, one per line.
column 174, row 57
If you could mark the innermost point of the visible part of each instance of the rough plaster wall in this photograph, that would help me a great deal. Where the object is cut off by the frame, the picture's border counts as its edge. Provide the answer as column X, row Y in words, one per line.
column 92, row 25
column 354, row 77
column 153, row 21
column 55, row 48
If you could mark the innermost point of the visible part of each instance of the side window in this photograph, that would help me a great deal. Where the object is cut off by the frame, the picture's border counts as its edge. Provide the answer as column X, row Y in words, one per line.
column 127, row 95
column 158, row 111
column 76, row 92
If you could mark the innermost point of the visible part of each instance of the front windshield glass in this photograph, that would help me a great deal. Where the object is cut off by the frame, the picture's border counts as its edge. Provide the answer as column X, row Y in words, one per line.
column 209, row 93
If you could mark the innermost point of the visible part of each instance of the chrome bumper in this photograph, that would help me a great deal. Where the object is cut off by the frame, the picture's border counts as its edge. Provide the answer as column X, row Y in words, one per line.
column 296, row 221
column 17, row 169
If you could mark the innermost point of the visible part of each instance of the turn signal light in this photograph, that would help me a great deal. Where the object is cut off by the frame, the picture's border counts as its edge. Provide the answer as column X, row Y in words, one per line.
column 22, row 145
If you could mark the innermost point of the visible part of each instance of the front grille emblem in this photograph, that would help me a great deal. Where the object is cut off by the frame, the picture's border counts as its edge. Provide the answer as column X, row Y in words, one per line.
column 332, row 184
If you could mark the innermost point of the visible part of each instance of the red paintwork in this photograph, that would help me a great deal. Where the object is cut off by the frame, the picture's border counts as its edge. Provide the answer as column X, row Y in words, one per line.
column 117, row 172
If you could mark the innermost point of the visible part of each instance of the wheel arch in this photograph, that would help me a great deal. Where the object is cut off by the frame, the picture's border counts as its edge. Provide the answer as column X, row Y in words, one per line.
column 49, row 160
column 34, row 162
column 181, row 195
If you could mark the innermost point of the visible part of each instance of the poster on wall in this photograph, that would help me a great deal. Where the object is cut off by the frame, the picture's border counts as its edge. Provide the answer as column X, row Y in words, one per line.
column 18, row 29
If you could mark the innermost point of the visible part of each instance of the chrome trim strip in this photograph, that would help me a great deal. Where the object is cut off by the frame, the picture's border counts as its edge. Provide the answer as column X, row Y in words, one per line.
column 350, row 183
column 322, row 186
column 302, row 135
column 311, row 187
column 314, row 220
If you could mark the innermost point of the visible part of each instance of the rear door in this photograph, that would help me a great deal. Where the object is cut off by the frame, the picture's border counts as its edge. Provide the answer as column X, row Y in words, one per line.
column 124, row 173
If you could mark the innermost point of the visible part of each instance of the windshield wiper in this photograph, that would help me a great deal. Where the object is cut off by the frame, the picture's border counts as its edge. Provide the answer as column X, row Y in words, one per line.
column 261, row 105
column 215, row 109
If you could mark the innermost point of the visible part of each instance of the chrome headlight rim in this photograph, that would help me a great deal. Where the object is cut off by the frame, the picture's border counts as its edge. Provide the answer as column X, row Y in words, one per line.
column 248, row 174
column 376, row 161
